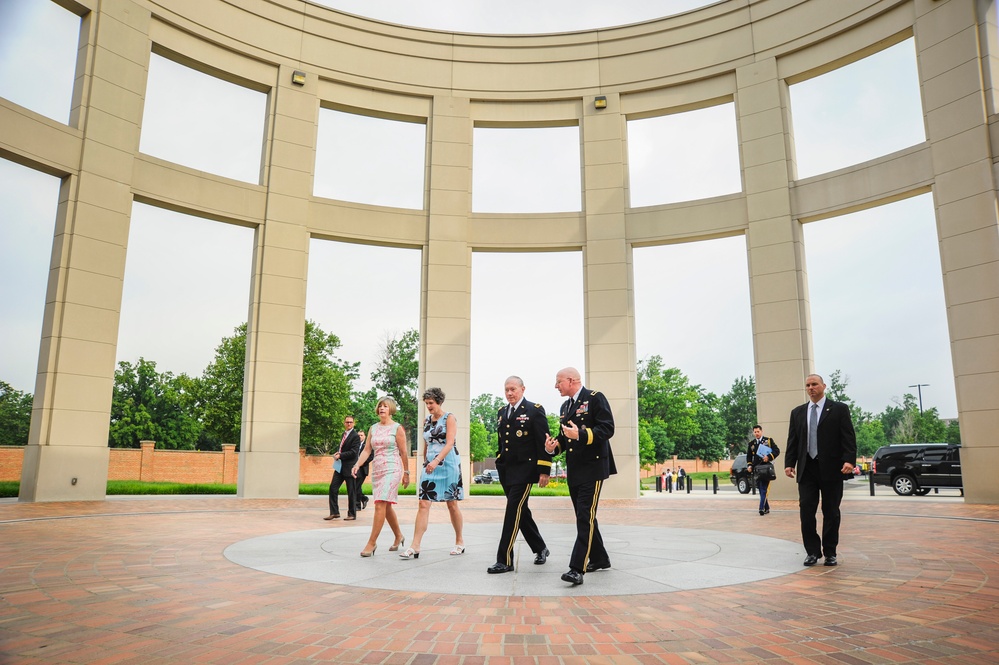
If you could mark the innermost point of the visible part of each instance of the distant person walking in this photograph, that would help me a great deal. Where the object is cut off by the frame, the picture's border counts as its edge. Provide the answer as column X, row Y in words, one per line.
column 343, row 460
column 762, row 450
column 821, row 448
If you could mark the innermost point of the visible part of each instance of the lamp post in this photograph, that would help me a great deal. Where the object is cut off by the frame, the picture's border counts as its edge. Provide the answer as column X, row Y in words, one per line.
column 919, row 389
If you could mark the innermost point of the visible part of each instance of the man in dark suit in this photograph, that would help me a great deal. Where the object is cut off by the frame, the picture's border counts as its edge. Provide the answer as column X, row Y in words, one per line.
column 587, row 426
column 821, row 453
column 343, row 461
column 522, row 428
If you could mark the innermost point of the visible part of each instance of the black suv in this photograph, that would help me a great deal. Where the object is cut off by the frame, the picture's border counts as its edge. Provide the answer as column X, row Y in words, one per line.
column 916, row 468
column 739, row 476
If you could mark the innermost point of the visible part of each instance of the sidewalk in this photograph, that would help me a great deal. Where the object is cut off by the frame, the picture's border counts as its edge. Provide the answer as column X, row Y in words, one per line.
column 151, row 581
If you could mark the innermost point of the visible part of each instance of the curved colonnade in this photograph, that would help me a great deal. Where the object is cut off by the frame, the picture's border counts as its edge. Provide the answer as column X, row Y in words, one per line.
column 746, row 51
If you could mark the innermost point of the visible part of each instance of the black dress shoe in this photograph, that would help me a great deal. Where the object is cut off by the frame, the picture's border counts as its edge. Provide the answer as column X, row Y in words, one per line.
column 766, row 511
column 499, row 568
column 541, row 557
column 594, row 567
column 811, row 560
column 573, row 576
column 831, row 560
column 762, row 513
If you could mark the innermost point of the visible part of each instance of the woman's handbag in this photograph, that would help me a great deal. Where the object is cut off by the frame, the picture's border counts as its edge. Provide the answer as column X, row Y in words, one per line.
column 765, row 471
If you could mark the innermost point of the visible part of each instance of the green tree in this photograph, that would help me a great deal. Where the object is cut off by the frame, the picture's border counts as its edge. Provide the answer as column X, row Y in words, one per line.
column 663, row 446
column 836, row 390
column 738, row 410
column 710, row 441
column 891, row 419
column 953, row 432
column 478, row 442
column 397, row 374
column 666, row 397
column 147, row 405
column 326, row 384
column 929, row 427
column 903, row 423
column 554, row 427
column 870, row 437
column 646, row 447
column 15, row 415
column 484, row 409
column 362, row 406
column 220, row 391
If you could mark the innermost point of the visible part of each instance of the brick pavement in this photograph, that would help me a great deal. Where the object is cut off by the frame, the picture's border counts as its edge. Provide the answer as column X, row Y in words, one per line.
column 145, row 581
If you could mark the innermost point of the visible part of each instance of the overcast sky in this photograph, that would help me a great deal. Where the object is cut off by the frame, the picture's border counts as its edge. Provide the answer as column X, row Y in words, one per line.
column 874, row 278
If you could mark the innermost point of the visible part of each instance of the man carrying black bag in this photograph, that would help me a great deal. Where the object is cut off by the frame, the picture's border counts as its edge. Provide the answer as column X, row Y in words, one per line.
column 762, row 452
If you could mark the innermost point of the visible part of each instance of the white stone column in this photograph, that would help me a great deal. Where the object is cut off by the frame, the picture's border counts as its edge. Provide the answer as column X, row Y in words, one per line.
column 445, row 335
column 608, row 282
column 782, row 338
column 272, row 385
column 66, row 458
column 949, row 49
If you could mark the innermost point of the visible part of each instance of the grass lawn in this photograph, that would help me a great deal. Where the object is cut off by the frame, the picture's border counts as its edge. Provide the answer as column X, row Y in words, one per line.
column 9, row 488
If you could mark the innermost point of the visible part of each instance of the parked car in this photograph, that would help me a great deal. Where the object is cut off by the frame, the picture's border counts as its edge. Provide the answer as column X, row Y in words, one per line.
column 486, row 477
column 740, row 477
column 916, row 468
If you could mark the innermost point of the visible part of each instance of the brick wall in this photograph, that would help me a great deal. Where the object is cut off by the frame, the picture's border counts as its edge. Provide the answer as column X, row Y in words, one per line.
column 11, row 459
column 151, row 465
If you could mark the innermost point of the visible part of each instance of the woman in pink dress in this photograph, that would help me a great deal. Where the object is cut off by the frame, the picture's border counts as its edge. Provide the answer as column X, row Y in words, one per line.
column 386, row 442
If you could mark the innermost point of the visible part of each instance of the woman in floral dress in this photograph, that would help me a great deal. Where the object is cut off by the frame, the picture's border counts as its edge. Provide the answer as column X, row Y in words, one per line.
column 441, row 479
column 386, row 441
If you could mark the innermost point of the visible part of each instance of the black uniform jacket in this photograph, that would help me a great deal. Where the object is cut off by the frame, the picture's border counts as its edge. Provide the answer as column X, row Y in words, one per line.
column 753, row 459
column 589, row 458
column 521, row 458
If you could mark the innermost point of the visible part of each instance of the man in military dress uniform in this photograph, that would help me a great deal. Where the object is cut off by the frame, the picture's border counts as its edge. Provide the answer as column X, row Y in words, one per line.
column 521, row 462
column 587, row 426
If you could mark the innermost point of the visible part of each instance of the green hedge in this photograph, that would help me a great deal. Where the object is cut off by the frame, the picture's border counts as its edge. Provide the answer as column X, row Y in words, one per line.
column 9, row 488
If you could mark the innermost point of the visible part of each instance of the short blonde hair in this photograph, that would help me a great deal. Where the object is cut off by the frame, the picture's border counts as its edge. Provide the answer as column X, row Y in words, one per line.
column 387, row 400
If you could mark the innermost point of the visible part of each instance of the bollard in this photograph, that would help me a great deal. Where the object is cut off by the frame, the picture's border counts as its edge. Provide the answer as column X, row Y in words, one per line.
column 659, row 483
column 706, row 484
column 690, row 484
column 714, row 480
column 870, row 478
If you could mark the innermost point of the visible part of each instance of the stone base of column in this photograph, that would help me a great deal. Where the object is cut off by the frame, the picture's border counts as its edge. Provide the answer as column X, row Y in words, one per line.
column 624, row 484
column 978, row 465
column 268, row 475
column 64, row 473
column 784, row 488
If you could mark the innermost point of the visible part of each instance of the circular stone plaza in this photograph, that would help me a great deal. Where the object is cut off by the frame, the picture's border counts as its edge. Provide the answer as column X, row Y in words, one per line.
column 695, row 578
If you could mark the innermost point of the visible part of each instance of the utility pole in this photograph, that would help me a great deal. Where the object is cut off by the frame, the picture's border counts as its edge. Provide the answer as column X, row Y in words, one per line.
column 919, row 388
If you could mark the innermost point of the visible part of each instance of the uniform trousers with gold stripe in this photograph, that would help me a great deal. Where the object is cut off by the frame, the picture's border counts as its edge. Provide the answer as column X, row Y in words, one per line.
column 589, row 545
column 518, row 518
